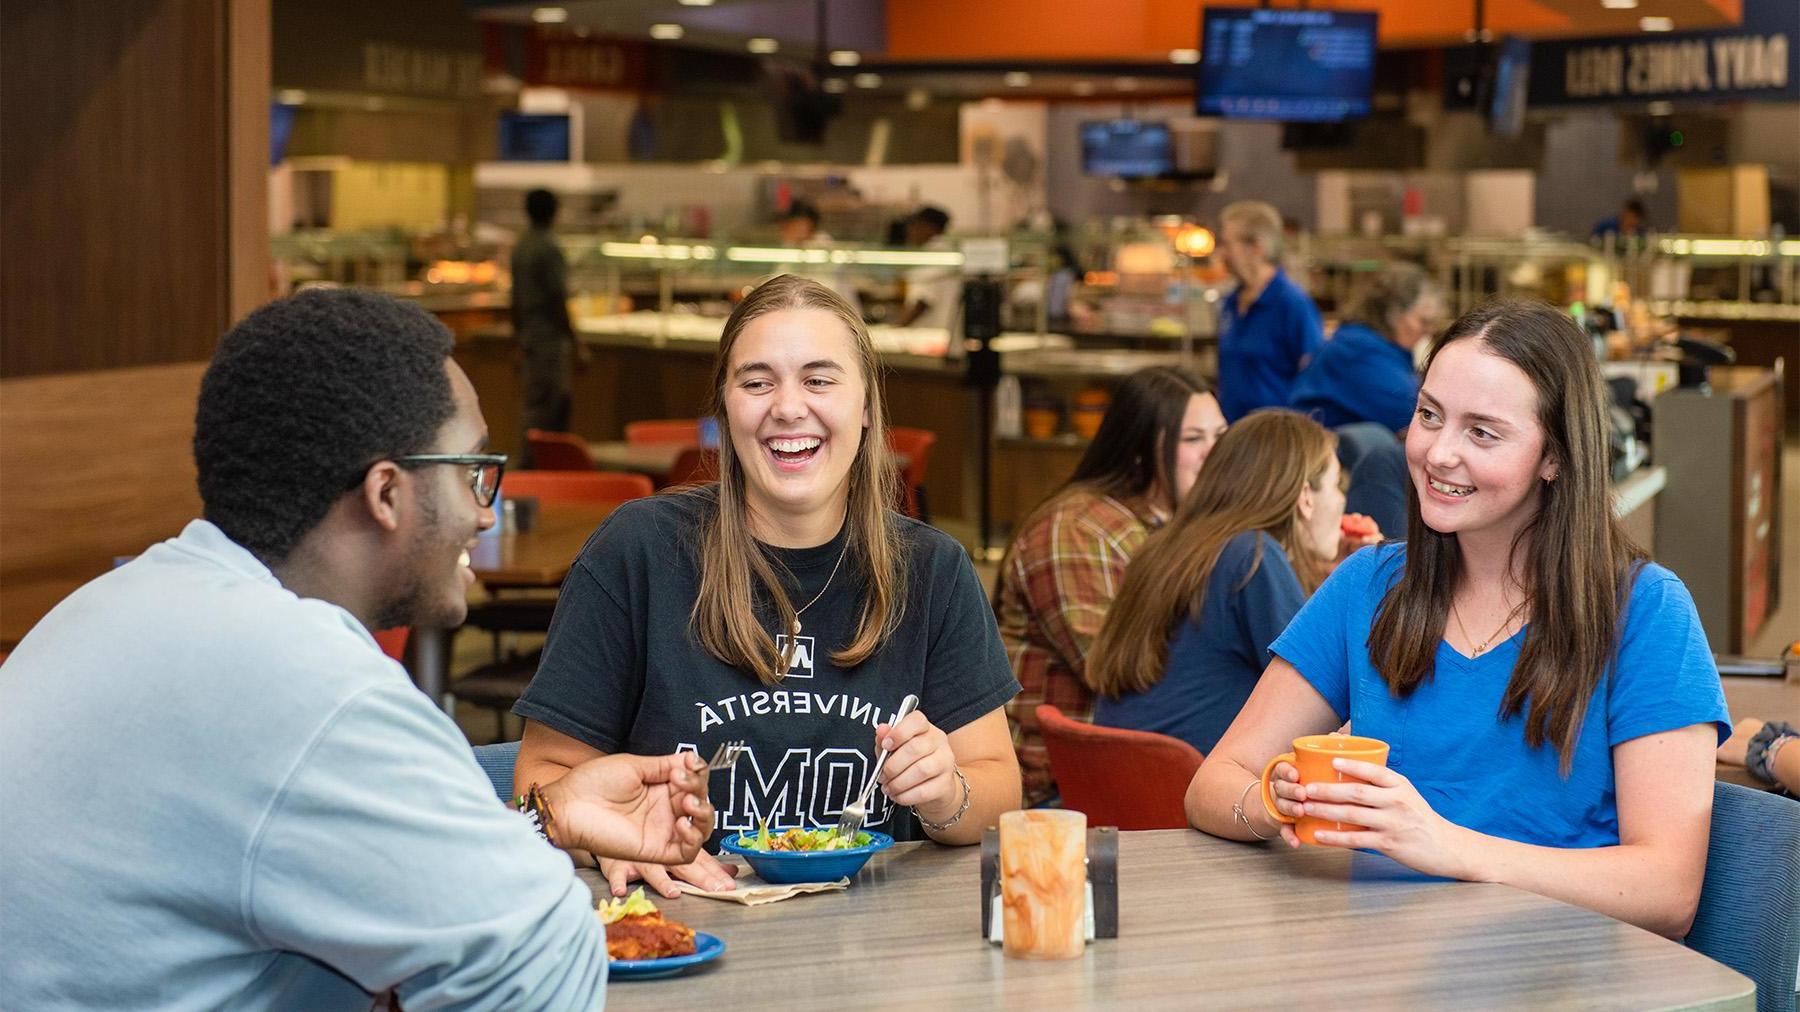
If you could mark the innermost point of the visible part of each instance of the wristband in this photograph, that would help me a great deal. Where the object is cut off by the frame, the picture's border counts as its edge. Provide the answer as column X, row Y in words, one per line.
column 1763, row 746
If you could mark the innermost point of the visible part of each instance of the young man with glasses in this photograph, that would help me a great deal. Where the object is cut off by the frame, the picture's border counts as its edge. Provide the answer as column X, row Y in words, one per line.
column 224, row 795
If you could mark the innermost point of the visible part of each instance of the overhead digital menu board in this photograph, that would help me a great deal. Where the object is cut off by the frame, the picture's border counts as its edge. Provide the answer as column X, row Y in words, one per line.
column 1125, row 147
column 1294, row 65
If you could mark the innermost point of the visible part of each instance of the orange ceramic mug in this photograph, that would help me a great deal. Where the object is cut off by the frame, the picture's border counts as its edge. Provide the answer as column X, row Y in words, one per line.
column 1312, row 756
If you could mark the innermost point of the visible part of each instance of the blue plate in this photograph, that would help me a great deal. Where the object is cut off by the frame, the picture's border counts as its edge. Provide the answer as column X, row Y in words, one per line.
column 706, row 947
column 784, row 867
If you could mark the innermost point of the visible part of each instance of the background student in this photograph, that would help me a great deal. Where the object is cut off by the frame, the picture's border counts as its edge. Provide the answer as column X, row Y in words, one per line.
column 1067, row 562
column 1189, row 634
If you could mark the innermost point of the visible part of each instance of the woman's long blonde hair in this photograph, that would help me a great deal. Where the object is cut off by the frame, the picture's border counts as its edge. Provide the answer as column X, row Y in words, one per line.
column 1251, row 482
column 732, row 564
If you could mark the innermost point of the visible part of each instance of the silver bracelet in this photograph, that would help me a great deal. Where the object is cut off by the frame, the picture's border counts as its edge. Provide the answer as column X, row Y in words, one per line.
column 938, row 827
column 1243, row 817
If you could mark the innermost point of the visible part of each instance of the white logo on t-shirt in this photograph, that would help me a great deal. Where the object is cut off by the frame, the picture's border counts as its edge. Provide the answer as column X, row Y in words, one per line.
column 801, row 664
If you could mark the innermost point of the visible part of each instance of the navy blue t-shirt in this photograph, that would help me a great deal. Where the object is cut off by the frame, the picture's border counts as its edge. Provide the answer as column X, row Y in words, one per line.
column 1358, row 376
column 1474, row 768
column 623, row 670
column 1216, row 657
column 1262, row 349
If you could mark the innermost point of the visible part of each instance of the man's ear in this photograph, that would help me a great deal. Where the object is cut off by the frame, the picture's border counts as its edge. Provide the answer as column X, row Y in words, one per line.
column 380, row 493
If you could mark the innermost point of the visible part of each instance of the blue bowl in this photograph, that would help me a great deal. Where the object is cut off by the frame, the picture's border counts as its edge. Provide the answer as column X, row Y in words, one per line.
column 784, row 867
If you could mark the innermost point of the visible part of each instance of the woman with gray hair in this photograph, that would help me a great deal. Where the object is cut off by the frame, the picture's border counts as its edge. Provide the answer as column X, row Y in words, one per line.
column 1362, row 386
column 1365, row 372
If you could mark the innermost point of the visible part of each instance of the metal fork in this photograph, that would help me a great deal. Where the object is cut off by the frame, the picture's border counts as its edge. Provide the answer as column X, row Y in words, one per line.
column 854, row 813
column 726, row 755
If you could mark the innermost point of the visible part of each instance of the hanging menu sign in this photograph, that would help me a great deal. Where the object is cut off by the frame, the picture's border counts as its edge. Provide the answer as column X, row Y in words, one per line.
column 1758, row 61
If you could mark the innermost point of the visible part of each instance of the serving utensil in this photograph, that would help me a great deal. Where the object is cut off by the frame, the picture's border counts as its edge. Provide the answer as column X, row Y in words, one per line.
column 851, row 821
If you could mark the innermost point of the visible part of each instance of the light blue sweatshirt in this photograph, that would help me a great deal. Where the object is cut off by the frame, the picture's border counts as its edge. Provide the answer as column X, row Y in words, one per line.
column 219, row 795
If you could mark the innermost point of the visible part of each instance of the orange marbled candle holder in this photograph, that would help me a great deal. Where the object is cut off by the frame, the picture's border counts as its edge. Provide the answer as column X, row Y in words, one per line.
column 1043, row 883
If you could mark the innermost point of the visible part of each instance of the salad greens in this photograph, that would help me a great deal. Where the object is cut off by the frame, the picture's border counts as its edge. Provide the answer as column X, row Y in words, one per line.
column 801, row 840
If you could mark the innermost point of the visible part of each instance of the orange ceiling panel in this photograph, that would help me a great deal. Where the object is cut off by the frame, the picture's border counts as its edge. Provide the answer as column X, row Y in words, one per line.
column 1148, row 29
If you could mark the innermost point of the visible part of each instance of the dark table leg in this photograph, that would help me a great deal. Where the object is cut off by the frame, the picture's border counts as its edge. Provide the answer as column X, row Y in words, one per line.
column 430, row 648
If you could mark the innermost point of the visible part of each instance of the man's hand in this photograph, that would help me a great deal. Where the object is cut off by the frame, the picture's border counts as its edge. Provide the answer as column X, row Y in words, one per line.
column 640, row 808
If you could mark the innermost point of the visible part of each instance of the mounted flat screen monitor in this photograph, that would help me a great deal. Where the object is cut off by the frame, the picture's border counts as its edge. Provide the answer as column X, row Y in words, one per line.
column 1293, row 65
column 534, row 137
column 1512, row 78
column 281, row 127
column 1126, row 147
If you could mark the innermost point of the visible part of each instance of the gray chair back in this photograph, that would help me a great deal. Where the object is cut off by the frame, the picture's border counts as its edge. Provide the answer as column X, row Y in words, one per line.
column 497, row 761
column 1749, row 915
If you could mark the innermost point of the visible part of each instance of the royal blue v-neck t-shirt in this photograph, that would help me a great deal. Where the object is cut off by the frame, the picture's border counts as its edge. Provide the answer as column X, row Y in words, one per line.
column 1447, row 736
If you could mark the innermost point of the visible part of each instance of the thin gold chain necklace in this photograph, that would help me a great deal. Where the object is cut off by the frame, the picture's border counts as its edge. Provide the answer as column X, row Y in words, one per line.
column 822, row 590
column 1481, row 648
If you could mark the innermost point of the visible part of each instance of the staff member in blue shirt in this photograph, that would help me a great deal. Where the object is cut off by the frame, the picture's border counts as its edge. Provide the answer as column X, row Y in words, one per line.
column 1268, row 327
column 1365, row 372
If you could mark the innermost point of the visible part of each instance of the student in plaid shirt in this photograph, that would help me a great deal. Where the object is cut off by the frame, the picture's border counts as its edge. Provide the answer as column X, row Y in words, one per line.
column 1062, row 571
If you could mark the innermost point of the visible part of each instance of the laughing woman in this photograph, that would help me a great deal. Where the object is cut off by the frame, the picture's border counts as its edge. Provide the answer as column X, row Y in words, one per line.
column 1548, row 696
column 787, row 607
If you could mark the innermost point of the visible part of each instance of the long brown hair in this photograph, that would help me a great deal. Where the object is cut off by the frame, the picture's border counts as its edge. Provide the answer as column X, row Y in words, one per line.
column 1134, row 450
column 733, row 565
column 1578, row 561
column 1252, row 482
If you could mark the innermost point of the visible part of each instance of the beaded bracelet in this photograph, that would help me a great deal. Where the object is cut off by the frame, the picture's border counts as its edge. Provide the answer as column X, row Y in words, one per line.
column 938, row 827
column 537, row 811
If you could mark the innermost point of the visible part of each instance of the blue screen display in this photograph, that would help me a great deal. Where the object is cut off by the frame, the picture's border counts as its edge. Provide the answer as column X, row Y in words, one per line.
column 1512, row 79
column 281, row 127
column 534, row 137
column 1125, row 147
column 1295, row 65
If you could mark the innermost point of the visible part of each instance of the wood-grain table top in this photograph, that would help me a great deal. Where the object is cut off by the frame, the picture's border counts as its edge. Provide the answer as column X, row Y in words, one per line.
column 1203, row 923
column 542, row 556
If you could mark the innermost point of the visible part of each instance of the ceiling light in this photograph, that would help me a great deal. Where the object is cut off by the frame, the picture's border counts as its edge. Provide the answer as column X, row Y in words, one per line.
column 549, row 15
column 1125, row 83
column 836, row 85
column 867, row 80
column 1084, row 87
column 917, row 99
column 1660, row 108
column 845, row 57
column 666, row 32
column 1657, row 24
column 763, row 45
column 291, row 96
column 1619, row 5
column 696, row 3
column 1017, row 79
column 1184, row 56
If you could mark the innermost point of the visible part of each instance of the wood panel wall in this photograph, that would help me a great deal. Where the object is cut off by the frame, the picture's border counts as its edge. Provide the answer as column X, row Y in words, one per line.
column 65, row 515
column 134, row 160
column 133, row 179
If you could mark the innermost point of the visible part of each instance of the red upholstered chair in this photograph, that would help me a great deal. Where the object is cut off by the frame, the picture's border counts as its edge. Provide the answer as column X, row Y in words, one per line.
column 676, row 431
column 558, row 451
column 694, row 467
column 587, row 486
column 497, row 685
column 393, row 642
column 1128, row 779
column 916, row 444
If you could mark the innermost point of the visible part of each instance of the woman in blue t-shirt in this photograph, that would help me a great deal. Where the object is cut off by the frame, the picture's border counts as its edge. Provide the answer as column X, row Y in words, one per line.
column 1548, row 695
column 1189, row 634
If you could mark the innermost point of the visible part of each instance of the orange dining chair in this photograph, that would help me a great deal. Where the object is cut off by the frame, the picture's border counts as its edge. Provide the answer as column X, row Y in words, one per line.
column 916, row 444
column 694, row 467
column 498, row 684
column 1128, row 779
column 558, row 451
column 676, row 431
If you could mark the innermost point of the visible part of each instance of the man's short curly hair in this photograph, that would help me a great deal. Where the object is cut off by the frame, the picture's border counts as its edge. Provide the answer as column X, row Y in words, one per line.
column 301, row 397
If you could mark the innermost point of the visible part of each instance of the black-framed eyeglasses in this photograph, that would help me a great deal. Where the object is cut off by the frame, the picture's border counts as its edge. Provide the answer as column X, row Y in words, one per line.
column 485, row 470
